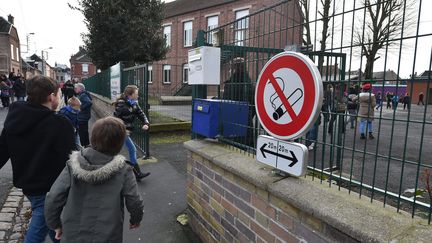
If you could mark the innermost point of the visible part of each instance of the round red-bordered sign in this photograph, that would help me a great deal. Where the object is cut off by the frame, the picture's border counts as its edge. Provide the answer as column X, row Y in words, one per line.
column 288, row 95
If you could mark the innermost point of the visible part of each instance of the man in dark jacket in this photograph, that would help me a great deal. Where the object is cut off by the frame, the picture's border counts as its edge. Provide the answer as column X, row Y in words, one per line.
column 30, row 139
column 85, row 113
column 19, row 88
column 68, row 91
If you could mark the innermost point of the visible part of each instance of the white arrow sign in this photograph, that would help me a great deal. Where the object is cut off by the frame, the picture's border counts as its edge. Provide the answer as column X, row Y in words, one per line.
column 285, row 156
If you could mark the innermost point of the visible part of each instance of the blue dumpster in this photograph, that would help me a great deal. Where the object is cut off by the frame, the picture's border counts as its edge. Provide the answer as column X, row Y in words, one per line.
column 215, row 117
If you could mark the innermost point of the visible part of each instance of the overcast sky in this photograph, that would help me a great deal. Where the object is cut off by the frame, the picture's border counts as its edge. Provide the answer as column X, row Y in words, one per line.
column 55, row 25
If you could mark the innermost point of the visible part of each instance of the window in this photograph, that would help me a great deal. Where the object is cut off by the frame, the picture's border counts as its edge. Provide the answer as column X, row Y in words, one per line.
column 187, row 30
column 185, row 73
column 17, row 54
column 12, row 52
column 212, row 23
column 150, row 74
column 84, row 68
column 167, row 74
column 241, row 27
column 167, row 34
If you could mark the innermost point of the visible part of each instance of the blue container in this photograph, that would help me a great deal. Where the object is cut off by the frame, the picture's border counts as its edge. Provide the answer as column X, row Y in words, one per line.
column 215, row 117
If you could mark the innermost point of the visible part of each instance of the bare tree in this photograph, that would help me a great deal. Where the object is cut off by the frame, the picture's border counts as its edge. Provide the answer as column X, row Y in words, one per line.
column 384, row 21
column 305, row 6
column 325, row 19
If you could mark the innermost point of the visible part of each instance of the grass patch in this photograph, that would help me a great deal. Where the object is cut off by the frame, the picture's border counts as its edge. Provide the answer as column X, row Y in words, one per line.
column 158, row 118
column 153, row 100
column 169, row 137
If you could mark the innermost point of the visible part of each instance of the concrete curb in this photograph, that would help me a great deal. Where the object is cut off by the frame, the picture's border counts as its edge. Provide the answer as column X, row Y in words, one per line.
column 14, row 217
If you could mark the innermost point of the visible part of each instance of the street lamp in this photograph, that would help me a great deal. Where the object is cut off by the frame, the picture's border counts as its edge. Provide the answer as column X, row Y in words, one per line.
column 43, row 59
column 27, row 46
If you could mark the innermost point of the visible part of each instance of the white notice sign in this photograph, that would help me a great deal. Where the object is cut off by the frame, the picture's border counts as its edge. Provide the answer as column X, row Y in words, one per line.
column 286, row 156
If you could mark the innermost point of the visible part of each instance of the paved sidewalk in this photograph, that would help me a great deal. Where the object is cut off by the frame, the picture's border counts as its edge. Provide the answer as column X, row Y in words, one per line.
column 164, row 194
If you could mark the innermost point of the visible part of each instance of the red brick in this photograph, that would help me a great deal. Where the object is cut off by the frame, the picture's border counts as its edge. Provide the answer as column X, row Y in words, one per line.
column 216, row 196
column 281, row 232
column 263, row 206
column 285, row 220
column 263, row 233
column 229, row 207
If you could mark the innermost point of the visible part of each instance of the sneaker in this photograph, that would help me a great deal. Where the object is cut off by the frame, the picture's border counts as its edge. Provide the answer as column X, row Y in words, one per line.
column 311, row 147
column 371, row 136
column 362, row 136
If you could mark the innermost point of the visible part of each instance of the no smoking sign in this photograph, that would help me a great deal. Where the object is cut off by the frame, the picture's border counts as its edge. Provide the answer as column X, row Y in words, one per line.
column 288, row 95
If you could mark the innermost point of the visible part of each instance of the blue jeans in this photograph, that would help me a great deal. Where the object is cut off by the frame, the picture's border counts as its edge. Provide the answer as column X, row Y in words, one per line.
column 363, row 126
column 312, row 135
column 38, row 229
column 131, row 149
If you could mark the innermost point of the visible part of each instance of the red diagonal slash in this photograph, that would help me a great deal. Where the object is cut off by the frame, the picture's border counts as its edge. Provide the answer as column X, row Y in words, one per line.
column 284, row 99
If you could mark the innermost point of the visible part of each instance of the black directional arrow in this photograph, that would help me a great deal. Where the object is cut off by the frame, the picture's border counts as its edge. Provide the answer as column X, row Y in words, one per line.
column 293, row 158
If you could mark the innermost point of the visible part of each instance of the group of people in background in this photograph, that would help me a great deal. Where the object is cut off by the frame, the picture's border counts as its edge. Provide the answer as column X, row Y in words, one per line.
column 70, row 187
column 12, row 88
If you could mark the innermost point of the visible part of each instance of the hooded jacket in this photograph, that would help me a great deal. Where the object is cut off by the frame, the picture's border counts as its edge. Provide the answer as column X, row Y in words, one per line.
column 88, row 198
column 86, row 104
column 30, row 139
column 127, row 112
column 367, row 104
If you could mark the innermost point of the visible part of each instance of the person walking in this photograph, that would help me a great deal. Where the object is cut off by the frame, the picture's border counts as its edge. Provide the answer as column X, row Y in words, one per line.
column 407, row 101
column 378, row 101
column 420, row 99
column 84, row 114
column 366, row 112
column 127, row 109
column 395, row 101
column 71, row 112
column 19, row 88
column 389, row 100
column 86, row 202
column 30, row 139
column 352, row 107
column 5, row 91
column 68, row 91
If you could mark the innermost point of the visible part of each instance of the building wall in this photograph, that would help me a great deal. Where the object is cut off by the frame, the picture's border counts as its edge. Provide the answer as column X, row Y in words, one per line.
column 177, row 55
column 4, row 53
column 16, row 61
column 77, row 72
column 7, row 64
column 417, row 87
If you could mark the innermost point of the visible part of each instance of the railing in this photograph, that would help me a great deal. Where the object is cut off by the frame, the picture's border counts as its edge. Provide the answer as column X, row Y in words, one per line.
column 394, row 167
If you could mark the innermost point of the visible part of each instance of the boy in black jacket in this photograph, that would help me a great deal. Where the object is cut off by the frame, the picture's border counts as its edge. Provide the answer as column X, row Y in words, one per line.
column 38, row 154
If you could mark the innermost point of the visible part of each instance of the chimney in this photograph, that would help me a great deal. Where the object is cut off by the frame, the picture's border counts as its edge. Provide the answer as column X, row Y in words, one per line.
column 11, row 19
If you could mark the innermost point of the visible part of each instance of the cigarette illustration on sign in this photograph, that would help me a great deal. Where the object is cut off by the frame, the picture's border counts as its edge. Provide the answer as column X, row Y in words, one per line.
column 288, row 95
column 293, row 98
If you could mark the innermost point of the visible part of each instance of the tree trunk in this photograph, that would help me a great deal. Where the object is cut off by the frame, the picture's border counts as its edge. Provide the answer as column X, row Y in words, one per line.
column 369, row 67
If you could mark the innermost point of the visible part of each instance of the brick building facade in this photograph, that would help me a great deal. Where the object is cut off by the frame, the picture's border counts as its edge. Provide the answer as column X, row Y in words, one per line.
column 10, row 53
column 81, row 66
column 184, row 18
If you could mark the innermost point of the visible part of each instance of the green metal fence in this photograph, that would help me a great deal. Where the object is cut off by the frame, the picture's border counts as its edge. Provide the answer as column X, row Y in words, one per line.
column 394, row 166
column 101, row 84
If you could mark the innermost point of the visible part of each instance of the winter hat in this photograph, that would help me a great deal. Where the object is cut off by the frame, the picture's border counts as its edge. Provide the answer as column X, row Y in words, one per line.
column 367, row 86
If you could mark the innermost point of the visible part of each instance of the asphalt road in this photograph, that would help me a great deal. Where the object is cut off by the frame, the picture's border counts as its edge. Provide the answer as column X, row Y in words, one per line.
column 391, row 160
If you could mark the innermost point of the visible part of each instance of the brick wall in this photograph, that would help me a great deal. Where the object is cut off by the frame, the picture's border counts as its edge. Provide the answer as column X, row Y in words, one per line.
column 226, row 208
column 233, row 198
